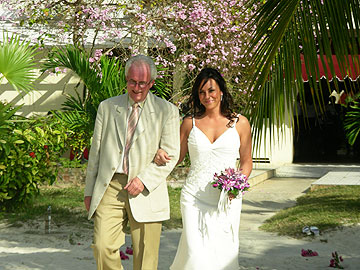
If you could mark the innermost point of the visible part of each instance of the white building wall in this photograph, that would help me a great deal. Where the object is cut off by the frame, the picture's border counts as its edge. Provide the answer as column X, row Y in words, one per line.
column 49, row 94
column 277, row 150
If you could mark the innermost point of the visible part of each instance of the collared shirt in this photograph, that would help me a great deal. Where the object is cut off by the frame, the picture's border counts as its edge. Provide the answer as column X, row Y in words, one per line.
column 130, row 103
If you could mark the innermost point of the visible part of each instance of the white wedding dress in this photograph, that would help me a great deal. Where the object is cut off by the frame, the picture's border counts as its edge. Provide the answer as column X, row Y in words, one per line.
column 209, row 239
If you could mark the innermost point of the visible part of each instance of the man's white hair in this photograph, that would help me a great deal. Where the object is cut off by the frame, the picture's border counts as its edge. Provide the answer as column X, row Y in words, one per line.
column 142, row 59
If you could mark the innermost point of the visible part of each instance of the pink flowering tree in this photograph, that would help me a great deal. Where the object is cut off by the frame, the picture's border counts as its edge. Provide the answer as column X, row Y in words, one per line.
column 190, row 35
column 182, row 36
column 84, row 23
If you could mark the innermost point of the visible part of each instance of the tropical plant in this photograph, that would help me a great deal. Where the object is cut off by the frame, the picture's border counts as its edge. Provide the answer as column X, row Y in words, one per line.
column 30, row 150
column 17, row 62
column 80, row 110
column 352, row 122
column 287, row 33
column 6, row 112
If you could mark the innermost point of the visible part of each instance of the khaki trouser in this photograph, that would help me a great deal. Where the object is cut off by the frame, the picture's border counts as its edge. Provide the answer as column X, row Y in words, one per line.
column 110, row 220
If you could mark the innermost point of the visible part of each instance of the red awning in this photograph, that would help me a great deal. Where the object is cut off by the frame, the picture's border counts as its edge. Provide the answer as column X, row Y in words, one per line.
column 353, row 73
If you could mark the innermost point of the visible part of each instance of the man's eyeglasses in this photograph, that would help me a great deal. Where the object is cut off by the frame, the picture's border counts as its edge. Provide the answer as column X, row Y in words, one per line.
column 133, row 83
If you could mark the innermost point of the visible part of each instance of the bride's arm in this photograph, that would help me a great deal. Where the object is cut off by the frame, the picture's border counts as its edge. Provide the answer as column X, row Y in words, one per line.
column 185, row 129
column 244, row 130
column 161, row 157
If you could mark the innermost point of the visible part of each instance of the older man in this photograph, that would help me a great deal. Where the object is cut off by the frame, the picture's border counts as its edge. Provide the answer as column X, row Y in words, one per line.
column 123, row 185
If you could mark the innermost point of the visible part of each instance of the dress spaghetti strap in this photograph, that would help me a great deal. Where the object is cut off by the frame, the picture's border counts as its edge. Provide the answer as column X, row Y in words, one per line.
column 193, row 120
column 237, row 119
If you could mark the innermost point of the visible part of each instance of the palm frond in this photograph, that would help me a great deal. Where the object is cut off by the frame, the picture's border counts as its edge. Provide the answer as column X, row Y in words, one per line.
column 17, row 63
column 74, row 120
column 352, row 123
column 162, row 88
column 100, row 84
column 113, row 81
column 74, row 59
column 287, row 33
column 163, row 85
column 74, row 103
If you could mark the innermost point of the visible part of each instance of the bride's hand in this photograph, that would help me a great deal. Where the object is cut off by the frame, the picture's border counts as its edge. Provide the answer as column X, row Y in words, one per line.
column 231, row 196
column 161, row 158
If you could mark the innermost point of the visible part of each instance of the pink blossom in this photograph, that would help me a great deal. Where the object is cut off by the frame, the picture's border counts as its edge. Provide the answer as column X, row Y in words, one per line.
column 209, row 33
column 231, row 180
column 191, row 67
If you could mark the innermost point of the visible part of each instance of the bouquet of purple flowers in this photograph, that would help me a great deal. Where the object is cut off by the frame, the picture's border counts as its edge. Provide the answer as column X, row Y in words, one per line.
column 231, row 181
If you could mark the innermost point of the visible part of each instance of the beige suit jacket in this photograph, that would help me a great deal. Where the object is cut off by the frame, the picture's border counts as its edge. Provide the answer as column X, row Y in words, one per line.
column 158, row 127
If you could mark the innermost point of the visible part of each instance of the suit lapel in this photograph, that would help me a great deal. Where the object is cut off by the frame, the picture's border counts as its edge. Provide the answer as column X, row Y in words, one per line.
column 146, row 115
column 121, row 116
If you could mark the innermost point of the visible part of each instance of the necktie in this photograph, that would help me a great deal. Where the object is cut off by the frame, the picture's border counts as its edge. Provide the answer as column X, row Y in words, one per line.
column 133, row 118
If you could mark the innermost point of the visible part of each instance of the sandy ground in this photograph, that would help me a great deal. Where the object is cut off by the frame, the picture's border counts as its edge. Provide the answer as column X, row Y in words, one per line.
column 28, row 247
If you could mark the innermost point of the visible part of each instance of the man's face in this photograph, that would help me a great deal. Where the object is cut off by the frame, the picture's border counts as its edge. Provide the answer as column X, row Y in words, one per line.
column 138, row 81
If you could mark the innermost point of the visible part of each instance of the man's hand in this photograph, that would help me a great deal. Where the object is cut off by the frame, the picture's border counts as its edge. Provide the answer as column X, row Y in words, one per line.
column 161, row 158
column 134, row 187
column 87, row 201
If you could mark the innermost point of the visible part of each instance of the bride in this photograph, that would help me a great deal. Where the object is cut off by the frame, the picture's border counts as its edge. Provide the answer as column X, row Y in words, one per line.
column 214, row 137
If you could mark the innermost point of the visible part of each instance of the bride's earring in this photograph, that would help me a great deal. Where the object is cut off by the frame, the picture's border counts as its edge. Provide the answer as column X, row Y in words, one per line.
column 221, row 98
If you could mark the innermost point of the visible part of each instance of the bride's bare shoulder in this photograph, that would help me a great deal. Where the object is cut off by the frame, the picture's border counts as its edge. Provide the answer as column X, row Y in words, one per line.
column 242, row 120
column 188, row 120
column 187, row 124
column 242, row 124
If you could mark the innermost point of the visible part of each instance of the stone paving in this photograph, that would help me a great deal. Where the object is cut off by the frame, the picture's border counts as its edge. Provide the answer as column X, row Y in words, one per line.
column 326, row 174
column 349, row 178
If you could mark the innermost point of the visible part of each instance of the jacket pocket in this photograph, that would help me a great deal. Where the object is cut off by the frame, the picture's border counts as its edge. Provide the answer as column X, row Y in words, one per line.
column 159, row 199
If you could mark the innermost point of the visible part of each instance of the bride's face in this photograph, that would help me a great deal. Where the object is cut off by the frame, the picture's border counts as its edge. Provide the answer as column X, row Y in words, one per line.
column 210, row 94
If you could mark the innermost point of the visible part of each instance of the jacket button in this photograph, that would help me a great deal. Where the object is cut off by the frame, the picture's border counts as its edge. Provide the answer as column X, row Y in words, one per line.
column 113, row 168
column 105, row 185
column 120, row 152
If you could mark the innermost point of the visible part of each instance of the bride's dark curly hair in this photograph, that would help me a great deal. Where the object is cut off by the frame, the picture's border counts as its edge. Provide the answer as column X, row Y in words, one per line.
column 194, row 107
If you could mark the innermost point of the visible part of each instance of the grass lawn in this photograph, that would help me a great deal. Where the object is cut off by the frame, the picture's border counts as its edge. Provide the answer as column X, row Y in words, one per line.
column 326, row 208
column 67, row 208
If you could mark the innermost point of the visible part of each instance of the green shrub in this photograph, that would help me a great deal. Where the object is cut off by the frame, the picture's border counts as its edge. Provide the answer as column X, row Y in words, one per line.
column 30, row 150
column 65, row 162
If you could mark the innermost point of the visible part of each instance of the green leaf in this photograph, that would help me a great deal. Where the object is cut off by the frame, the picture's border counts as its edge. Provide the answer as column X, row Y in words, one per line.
column 17, row 62
column 39, row 130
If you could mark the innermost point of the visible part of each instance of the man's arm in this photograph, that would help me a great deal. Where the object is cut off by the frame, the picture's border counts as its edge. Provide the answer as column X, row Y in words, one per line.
column 153, row 174
column 94, row 157
column 161, row 157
